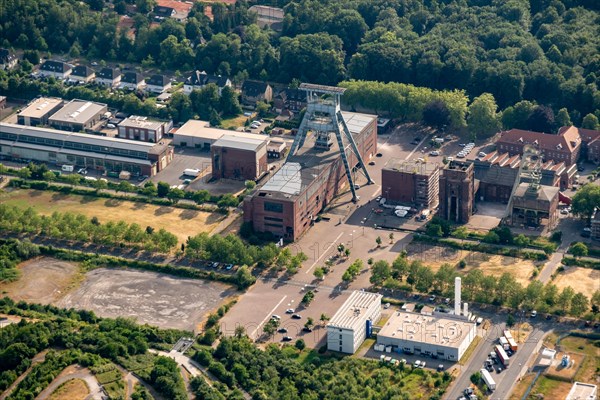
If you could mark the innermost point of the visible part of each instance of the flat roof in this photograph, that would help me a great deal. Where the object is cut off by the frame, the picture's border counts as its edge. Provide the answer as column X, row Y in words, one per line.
column 301, row 169
column 240, row 142
column 411, row 166
column 321, row 88
column 582, row 391
column 78, row 111
column 202, row 129
column 429, row 329
column 141, row 122
column 351, row 315
column 39, row 107
column 83, row 138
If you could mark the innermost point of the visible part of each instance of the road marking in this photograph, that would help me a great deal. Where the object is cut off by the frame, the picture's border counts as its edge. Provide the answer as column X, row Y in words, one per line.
column 268, row 315
column 416, row 148
column 325, row 252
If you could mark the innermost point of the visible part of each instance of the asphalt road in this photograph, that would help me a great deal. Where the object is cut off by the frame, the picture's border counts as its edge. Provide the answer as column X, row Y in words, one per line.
column 507, row 379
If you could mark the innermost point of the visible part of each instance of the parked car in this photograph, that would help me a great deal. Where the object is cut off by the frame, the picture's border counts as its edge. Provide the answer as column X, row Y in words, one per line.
column 482, row 154
column 286, row 339
column 307, row 329
column 440, row 367
column 290, row 311
column 229, row 267
column 434, row 153
column 296, row 316
column 417, row 364
column 275, row 316
column 282, row 330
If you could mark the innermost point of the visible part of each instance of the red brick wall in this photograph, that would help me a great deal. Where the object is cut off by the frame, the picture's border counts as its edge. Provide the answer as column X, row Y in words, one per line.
column 237, row 164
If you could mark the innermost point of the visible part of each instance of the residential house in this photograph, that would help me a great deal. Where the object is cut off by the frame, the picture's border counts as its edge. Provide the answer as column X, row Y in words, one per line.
column 293, row 100
column 255, row 91
column 565, row 146
column 161, row 12
column 56, row 69
column 81, row 74
column 110, row 77
column 158, row 84
column 132, row 80
column 200, row 79
column 8, row 60
column 178, row 10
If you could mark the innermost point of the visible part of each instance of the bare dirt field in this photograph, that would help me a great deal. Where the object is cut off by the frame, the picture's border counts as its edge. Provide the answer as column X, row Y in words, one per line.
column 180, row 222
column 584, row 280
column 491, row 264
column 43, row 280
column 75, row 389
column 149, row 297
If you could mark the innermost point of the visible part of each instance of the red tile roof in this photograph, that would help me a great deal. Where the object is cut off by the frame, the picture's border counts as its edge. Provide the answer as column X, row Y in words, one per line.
column 179, row 6
column 587, row 135
column 568, row 138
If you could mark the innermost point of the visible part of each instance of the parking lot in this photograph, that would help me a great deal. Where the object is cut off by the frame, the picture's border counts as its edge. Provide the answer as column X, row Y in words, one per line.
column 183, row 159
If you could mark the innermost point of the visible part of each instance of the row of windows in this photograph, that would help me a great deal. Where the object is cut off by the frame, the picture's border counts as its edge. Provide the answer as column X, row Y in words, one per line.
column 73, row 145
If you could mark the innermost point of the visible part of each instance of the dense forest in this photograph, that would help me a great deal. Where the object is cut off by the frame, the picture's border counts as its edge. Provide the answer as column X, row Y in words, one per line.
column 544, row 51
column 78, row 337
column 289, row 373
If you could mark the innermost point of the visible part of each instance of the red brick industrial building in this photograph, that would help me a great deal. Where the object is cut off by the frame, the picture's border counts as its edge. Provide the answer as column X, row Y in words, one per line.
column 457, row 192
column 238, row 157
column 411, row 182
column 289, row 202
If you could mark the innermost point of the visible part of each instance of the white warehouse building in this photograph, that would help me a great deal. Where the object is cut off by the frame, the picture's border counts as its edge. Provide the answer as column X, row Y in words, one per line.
column 352, row 323
column 440, row 335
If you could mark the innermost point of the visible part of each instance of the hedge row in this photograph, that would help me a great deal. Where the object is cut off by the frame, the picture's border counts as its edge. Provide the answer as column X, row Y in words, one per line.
column 483, row 248
column 577, row 262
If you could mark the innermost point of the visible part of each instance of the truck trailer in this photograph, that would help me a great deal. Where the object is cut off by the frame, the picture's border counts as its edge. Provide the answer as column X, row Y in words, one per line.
column 502, row 356
column 487, row 378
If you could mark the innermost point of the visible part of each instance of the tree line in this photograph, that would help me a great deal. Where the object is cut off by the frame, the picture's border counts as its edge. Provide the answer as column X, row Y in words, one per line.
column 78, row 227
column 504, row 290
column 543, row 52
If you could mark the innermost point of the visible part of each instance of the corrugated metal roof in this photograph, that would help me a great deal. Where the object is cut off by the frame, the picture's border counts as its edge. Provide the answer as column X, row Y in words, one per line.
column 78, row 111
column 352, row 314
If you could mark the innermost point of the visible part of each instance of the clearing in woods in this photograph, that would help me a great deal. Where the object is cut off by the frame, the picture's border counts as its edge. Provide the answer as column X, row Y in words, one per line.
column 180, row 222
column 75, row 389
column 43, row 280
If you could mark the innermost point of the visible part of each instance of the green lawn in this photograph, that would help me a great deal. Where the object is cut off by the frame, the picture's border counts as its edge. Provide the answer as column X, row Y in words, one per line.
column 235, row 122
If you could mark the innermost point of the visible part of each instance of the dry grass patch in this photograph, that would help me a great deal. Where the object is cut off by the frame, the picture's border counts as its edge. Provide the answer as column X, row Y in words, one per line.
column 584, row 280
column 180, row 222
column 556, row 369
column 434, row 256
column 496, row 265
column 520, row 332
column 75, row 389
column 521, row 387
column 43, row 280
column 550, row 389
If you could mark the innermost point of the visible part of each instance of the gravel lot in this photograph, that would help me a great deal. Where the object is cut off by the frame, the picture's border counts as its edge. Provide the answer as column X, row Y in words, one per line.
column 151, row 298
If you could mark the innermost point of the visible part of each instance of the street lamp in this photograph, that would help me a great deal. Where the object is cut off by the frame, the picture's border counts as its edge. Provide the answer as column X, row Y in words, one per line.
column 363, row 225
column 352, row 236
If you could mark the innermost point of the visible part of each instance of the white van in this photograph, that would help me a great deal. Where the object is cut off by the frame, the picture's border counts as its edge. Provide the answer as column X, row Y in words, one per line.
column 68, row 168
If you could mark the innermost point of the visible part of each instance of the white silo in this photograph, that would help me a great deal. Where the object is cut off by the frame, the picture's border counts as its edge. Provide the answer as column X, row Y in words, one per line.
column 457, row 282
column 466, row 309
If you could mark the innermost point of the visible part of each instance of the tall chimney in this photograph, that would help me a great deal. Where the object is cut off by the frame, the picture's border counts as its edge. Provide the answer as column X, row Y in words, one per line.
column 457, row 281
column 466, row 310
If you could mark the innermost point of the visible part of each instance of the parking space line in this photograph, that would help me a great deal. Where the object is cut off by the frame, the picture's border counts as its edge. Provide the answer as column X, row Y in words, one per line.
column 417, row 147
column 325, row 252
column 268, row 316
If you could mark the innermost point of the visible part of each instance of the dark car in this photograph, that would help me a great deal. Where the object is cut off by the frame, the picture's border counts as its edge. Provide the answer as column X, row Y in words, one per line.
column 307, row 329
column 282, row 330
column 296, row 316
column 286, row 339
column 499, row 369
column 378, row 155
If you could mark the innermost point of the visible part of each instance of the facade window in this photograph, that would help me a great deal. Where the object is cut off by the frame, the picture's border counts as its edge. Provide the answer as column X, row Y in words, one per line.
column 273, row 207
